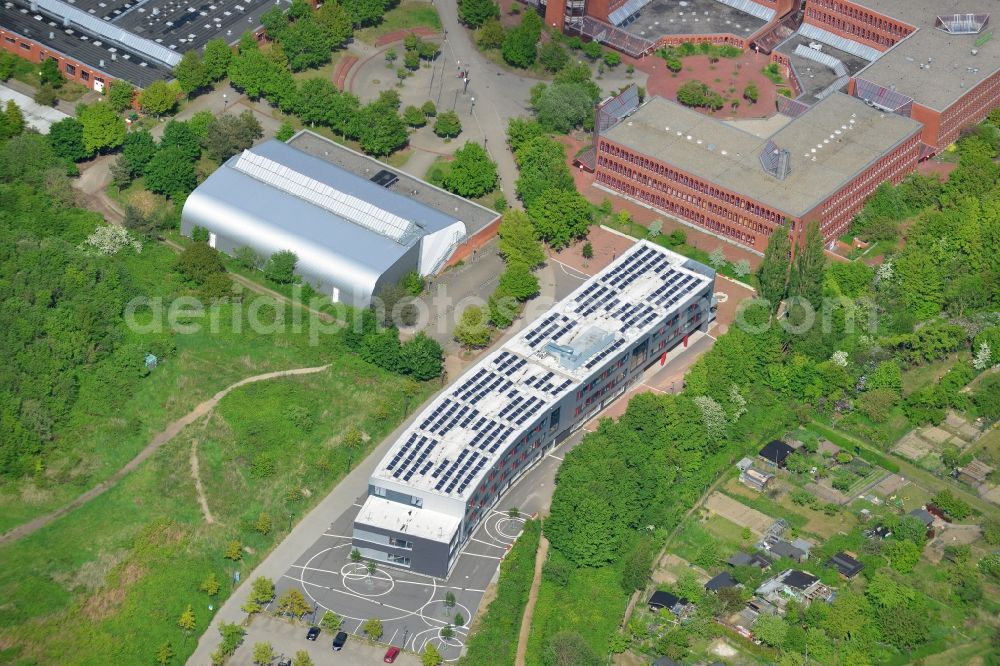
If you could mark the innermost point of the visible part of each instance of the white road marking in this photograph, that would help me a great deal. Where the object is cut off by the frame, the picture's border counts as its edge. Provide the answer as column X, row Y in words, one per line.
column 487, row 543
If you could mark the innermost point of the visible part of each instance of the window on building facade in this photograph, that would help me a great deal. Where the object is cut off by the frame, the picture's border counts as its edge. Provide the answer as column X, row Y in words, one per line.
column 398, row 559
column 70, row 69
column 401, row 543
column 378, row 492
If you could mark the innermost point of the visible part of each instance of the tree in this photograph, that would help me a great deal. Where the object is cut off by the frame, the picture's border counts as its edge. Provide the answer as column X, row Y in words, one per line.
column 490, row 35
column 331, row 621
column 587, row 251
column 187, row 621
column 180, row 135
column 216, row 59
column 471, row 331
column 46, row 95
column 138, row 150
column 263, row 654
column 750, row 93
column 120, row 95
column 262, row 590
column 717, row 257
column 190, row 72
column 772, row 274
column 806, row 280
column 770, row 629
column 121, row 173
column 414, row 117
column 421, row 357
column 307, row 44
column 564, row 106
column 158, row 98
column 379, row 130
column 356, row 556
column 474, row 13
column 903, row 555
column 292, row 603
column 553, row 56
column 198, row 263
column 519, row 282
column 472, row 172
column 66, row 138
column 560, row 216
column 448, row 125
column 103, row 128
column 366, row 12
column 280, row 267
column 263, row 524
column 336, row 22
column 912, row 529
column 170, row 173
column 542, row 167
column 234, row 551
column 430, row 656
column 49, row 73
column 612, row 59
column 519, row 241
column 592, row 50
column 302, row 658
column 373, row 627
column 568, row 648
column 285, row 132
column 210, row 585
column 520, row 44
column 164, row 654
column 429, row 109
column 447, row 633
column 228, row 135
column 957, row 509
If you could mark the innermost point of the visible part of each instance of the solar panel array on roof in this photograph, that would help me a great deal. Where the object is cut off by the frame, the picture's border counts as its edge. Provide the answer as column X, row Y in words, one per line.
column 339, row 203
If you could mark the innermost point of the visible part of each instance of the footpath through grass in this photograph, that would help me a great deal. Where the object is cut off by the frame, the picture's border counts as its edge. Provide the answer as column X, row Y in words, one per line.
column 108, row 582
column 494, row 642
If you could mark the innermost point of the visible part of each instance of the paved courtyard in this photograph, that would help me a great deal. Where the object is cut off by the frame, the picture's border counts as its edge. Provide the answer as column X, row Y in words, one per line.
column 411, row 605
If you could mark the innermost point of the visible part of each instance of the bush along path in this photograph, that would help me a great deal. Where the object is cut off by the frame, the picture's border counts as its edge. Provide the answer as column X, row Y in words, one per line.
column 167, row 434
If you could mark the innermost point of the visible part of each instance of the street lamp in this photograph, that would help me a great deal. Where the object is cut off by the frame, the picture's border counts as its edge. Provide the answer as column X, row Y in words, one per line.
column 289, row 521
column 472, row 106
column 225, row 102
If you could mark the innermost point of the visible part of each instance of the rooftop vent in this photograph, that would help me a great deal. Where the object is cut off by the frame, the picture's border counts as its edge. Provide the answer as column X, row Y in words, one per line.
column 962, row 24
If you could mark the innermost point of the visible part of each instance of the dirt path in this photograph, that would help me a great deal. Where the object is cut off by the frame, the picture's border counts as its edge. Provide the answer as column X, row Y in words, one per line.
column 529, row 610
column 202, row 500
column 162, row 438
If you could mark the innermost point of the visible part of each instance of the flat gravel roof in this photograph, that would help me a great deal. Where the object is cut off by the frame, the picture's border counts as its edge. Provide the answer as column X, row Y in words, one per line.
column 720, row 153
column 952, row 65
column 695, row 17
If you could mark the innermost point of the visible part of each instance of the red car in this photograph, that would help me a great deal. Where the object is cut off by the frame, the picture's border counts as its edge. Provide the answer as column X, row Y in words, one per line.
column 391, row 654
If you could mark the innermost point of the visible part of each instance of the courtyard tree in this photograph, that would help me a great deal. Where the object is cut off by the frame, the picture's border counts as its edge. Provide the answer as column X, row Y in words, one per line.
column 561, row 216
column 170, row 173
column 448, row 125
column 229, row 134
column 471, row 331
column 293, row 603
column 520, row 44
column 553, row 56
column 190, row 73
column 263, row 654
column 139, row 149
column 750, row 93
column 472, row 172
column 490, row 35
column 430, row 656
column 474, row 13
column 414, row 117
column 302, row 658
column 518, row 281
column 331, row 621
column 519, row 240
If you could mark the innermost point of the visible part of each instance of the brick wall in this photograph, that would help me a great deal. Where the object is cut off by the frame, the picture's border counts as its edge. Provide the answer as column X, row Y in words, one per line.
column 72, row 69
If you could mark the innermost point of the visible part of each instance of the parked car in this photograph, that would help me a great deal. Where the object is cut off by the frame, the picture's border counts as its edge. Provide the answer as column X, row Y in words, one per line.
column 391, row 654
column 339, row 640
column 312, row 634
column 284, row 661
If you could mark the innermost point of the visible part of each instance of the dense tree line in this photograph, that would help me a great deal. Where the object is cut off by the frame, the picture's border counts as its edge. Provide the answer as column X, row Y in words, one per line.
column 65, row 342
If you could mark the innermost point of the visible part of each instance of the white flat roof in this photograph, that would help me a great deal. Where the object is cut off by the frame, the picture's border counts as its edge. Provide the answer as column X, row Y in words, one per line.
column 464, row 430
column 423, row 523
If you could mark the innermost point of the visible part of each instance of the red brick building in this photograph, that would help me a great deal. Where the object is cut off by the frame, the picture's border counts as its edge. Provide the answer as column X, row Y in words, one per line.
column 821, row 166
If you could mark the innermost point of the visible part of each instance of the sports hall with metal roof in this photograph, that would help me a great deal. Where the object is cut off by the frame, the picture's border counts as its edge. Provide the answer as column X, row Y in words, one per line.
column 350, row 234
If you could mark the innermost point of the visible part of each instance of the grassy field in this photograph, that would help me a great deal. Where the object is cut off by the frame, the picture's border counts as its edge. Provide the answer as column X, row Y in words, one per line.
column 115, row 575
column 560, row 609
column 406, row 15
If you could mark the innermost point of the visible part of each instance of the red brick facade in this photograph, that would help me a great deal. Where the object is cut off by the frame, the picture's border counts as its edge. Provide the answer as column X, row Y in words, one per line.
column 855, row 22
column 73, row 70
column 737, row 218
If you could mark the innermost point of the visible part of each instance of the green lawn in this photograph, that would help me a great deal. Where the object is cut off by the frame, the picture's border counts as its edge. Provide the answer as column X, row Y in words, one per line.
column 115, row 575
column 562, row 609
column 406, row 15
column 923, row 375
